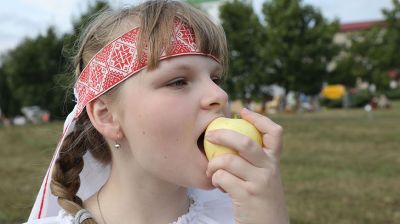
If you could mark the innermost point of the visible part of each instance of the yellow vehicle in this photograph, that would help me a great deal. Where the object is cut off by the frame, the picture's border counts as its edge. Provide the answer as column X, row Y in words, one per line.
column 333, row 92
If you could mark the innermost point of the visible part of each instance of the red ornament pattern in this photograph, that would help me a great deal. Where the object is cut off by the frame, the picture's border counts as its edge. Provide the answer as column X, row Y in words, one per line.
column 121, row 57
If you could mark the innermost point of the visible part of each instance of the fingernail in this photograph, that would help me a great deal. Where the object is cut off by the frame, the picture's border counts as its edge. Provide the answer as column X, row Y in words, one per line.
column 245, row 110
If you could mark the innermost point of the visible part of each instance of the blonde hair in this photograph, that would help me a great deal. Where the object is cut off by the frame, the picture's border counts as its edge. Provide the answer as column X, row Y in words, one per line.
column 155, row 19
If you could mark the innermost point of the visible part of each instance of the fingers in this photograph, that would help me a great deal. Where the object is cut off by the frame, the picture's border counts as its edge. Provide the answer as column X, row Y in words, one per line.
column 254, row 181
column 246, row 147
column 252, row 178
column 272, row 145
column 229, row 183
column 234, row 164
column 272, row 132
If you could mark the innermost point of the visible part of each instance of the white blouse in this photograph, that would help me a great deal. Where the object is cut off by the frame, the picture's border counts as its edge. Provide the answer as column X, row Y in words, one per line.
column 208, row 207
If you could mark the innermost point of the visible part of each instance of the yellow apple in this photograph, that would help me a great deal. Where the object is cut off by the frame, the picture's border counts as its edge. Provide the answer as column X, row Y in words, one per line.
column 239, row 125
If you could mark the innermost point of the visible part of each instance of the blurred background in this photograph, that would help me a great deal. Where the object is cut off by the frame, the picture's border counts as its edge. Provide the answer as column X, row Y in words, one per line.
column 327, row 71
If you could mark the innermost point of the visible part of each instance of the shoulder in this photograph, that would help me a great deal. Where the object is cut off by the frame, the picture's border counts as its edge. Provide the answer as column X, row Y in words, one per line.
column 211, row 207
column 62, row 218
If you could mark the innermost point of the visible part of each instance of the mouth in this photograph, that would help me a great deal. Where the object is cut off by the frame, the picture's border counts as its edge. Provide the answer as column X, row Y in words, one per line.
column 200, row 142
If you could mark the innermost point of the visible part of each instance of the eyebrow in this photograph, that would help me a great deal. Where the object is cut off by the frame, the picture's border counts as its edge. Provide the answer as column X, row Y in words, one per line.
column 170, row 71
column 186, row 67
column 183, row 67
column 218, row 69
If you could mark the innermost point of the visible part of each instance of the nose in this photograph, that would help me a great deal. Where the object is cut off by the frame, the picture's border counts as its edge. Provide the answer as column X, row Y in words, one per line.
column 214, row 97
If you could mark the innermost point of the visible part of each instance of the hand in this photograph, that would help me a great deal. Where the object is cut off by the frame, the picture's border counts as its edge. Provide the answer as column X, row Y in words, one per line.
column 253, row 179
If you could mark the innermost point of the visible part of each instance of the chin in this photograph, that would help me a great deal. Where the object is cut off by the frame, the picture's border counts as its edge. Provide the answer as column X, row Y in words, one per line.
column 204, row 184
column 204, row 187
column 209, row 187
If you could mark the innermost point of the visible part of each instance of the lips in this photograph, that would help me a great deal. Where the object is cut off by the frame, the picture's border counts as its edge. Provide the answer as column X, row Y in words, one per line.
column 200, row 142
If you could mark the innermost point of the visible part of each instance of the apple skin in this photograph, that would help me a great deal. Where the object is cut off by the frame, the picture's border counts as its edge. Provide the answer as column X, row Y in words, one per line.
column 239, row 125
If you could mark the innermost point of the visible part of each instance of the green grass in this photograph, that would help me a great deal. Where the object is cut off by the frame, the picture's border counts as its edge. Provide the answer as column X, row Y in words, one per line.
column 342, row 166
column 338, row 166
column 25, row 154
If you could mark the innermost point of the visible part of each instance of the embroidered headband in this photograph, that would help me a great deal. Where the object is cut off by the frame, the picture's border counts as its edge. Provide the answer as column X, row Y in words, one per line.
column 119, row 60
column 113, row 64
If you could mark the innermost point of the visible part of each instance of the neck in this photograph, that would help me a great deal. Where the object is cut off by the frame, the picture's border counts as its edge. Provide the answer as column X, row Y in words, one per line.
column 130, row 196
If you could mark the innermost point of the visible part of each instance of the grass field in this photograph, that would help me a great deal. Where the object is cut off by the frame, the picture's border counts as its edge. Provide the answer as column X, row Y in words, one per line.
column 338, row 166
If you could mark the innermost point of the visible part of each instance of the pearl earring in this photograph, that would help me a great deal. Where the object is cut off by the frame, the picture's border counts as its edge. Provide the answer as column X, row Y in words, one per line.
column 117, row 145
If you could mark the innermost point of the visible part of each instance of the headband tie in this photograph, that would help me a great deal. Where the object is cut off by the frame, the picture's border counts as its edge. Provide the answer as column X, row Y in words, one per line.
column 114, row 63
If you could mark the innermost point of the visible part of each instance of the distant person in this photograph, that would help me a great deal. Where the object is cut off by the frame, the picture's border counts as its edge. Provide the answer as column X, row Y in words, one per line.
column 304, row 103
column 383, row 102
column 290, row 101
column 146, row 90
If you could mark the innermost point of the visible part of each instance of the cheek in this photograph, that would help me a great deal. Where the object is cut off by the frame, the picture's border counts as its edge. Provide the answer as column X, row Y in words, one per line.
column 161, row 120
column 161, row 134
column 169, row 119
column 171, row 109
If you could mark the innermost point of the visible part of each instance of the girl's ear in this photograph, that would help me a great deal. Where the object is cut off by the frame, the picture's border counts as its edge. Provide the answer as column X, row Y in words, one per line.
column 103, row 118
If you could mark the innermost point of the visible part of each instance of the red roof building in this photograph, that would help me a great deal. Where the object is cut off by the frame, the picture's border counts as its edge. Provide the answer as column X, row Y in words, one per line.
column 347, row 28
column 358, row 26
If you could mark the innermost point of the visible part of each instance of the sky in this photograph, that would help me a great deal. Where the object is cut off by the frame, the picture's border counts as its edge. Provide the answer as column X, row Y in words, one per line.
column 28, row 18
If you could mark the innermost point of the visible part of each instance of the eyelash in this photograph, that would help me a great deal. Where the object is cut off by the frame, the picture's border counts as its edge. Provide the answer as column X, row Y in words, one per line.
column 177, row 83
column 182, row 82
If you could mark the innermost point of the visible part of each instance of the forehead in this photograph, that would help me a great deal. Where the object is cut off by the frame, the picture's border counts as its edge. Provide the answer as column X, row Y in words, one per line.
column 190, row 62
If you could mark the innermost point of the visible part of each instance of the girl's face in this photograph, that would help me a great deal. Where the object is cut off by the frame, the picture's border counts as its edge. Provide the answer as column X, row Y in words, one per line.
column 163, row 114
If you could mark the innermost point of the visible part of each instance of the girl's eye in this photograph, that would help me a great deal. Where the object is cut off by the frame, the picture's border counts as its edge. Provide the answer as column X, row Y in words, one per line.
column 217, row 80
column 177, row 83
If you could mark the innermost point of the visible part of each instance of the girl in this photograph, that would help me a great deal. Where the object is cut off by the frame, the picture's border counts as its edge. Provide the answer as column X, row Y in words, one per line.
column 132, row 152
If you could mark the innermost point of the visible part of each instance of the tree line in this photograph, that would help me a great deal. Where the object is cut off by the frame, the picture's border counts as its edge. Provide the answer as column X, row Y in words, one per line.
column 292, row 46
column 39, row 72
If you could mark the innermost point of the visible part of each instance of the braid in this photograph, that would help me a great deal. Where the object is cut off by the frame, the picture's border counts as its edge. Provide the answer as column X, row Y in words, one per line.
column 65, row 179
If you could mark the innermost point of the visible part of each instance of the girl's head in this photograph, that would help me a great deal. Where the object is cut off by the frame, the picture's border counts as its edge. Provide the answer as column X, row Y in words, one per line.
column 159, row 114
